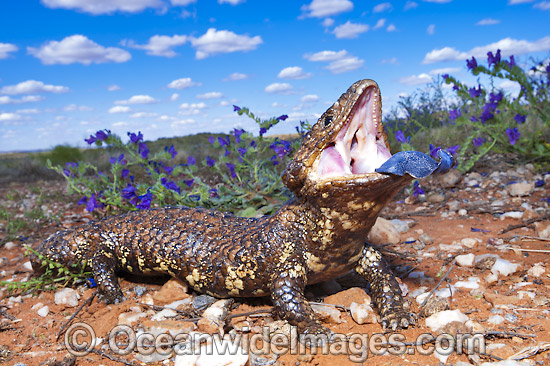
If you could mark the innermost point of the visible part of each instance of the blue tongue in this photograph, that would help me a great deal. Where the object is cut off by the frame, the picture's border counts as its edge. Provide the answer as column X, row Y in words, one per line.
column 416, row 164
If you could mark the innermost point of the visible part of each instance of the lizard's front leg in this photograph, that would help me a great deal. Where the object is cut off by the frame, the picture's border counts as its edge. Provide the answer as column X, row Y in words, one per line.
column 385, row 291
column 287, row 294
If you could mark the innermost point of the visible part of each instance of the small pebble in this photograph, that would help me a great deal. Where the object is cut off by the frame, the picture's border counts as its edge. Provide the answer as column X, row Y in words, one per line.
column 43, row 311
column 512, row 318
column 140, row 290
column 495, row 319
column 66, row 296
column 465, row 260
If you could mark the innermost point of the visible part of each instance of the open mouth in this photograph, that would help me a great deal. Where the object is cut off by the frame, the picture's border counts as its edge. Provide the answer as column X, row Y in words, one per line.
column 360, row 145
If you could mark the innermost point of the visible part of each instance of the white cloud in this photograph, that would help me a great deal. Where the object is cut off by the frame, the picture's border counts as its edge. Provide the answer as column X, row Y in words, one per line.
column 33, row 86
column 232, row 2
column 96, row 7
column 391, row 28
column 510, row 86
column 488, row 21
column 80, row 108
column 410, row 5
column 182, row 83
column 137, row 99
column 382, row 7
column 113, row 87
column 293, row 72
column 380, row 23
column 392, row 61
column 543, row 5
column 325, row 8
column 236, row 76
column 431, row 29
column 143, row 115
column 416, row 79
column 120, row 124
column 280, row 88
column 28, row 111
column 309, row 98
column 77, row 48
column 214, row 42
column 445, row 70
column 5, row 49
column 9, row 117
column 339, row 61
column 508, row 46
column 160, row 45
column 119, row 109
column 328, row 22
column 191, row 108
column 174, row 97
column 350, row 30
column 210, row 95
column 438, row 1
column 26, row 99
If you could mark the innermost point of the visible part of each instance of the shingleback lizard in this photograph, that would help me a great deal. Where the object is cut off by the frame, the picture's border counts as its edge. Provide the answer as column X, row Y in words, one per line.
column 316, row 236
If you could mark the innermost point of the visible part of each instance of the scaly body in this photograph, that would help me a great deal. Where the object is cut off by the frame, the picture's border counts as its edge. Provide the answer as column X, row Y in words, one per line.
column 318, row 235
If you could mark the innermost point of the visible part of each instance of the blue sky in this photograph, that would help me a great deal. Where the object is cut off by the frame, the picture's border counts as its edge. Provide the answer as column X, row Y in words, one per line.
column 175, row 67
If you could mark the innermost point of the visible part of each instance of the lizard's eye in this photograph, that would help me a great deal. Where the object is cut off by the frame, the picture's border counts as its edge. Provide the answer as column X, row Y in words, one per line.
column 328, row 120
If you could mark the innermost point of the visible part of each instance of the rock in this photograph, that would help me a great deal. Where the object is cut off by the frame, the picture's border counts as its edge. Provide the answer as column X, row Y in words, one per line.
column 504, row 267
column 179, row 304
column 435, row 198
column 434, row 305
column 152, row 357
column 500, row 350
column 491, row 278
column 425, row 238
column 506, row 363
column 171, row 291
column 173, row 327
column 383, row 232
column 542, row 229
column 10, row 245
column 164, row 314
column 363, row 313
column 201, row 302
column 485, row 261
column 130, row 317
column 43, row 311
column 512, row 318
column 3, row 262
column 263, row 360
column 210, row 356
column 402, row 226
column 512, row 215
column 27, row 266
column 208, row 326
column 327, row 313
column 537, row 270
column 66, row 296
column 497, row 299
column 281, row 327
column 495, row 319
column 465, row 260
column 450, row 247
column 217, row 312
column 140, row 290
column 472, row 283
column 450, row 179
column 345, row 298
column 439, row 320
column 520, row 189
column 469, row 242
column 474, row 327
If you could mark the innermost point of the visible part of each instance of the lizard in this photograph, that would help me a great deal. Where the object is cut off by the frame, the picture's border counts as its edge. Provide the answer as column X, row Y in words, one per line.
column 341, row 176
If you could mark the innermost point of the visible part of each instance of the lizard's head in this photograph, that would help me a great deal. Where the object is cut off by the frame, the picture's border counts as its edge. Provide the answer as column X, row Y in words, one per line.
column 343, row 150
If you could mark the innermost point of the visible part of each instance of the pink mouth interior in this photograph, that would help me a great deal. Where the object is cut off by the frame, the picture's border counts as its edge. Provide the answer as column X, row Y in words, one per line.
column 357, row 149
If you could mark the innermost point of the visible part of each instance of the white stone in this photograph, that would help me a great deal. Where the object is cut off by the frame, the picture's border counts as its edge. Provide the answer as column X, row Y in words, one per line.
column 450, row 247
column 439, row 320
column 520, row 189
column 504, row 267
column 471, row 283
column 9, row 245
column 27, row 266
column 465, row 260
column 362, row 313
column 462, row 212
column 66, row 296
column 328, row 313
column 537, row 270
column 383, row 232
column 129, row 318
column 234, row 356
column 175, row 304
column 164, row 314
column 506, row 363
column 511, row 215
column 43, row 311
column 470, row 242
column 495, row 319
column 402, row 226
column 491, row 278
column 217, row 311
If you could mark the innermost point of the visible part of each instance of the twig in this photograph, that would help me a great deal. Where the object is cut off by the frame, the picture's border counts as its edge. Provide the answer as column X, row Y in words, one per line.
column 160, row 308
column 436, row 286
column 525, row 223
column 510, row 334
column 534, row 238
column 112, row 358
column 260, row 311
column 4, row 313
column 87, row 302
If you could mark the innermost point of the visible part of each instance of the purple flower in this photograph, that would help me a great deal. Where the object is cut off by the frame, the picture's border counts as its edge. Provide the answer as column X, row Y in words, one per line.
column 129, row 192
column 495, row 98
column 120, row 160
column 210, row 161
column 168, row 169
column 513, row 135
column 145, row 201
column 213, row 192
column 400, row 136
column 512, row 62
column 493, row 59
column 454, row 114
column 191, row 160
column 189, row 182
column 474, row 93
column 262, row 131
column 124, row 173
column 453, row 149
column 282, row 117
column 478, row 141
column 474, row 119
column 143, row 150
column 170, row 185
column 237, row 133
column 253, row 143
column 91, row 205
column 231, row 168
column 226, row 153
column 102, row 135
column 171, row 150
column 274, row 160
column 445, row 76
column 211, row 140
column 417, row 190
column 235, row 108
column 83, row 200
column 455, row 87
column 223, row 141
column 242, row 151
column 520, row 118
column 135, row 138
column 487, row 113
column 471, row 64
column 90, row 140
